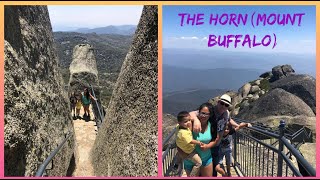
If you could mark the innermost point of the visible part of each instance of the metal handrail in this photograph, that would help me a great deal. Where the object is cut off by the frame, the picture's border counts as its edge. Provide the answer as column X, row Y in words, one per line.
column 283, row 142
column 100, row 114
column 299, row 157
column 269, row 130
column 53, row 153
column 168, row 158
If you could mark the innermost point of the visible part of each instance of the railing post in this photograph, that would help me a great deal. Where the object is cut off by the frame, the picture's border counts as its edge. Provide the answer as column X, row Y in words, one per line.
column 235, row 148
column 280, row 159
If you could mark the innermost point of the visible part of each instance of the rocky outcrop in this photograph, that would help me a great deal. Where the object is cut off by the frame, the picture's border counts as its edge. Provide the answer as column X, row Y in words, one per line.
column 266, row 74
column 274, row 96
column 36, row 109
column 127, row 142
column 244, row 90
column 279, row 72
column 83, row 68
column 84, row 74
column 276, row 102
column 278, row 105
column 303, row 86
column 169, row 122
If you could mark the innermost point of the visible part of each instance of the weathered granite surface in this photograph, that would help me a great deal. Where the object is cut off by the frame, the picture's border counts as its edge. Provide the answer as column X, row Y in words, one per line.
column 127, row 143
column 36, row 109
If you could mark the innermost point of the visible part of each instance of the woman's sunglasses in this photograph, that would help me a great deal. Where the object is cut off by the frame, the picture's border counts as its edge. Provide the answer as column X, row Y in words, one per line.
column 224, row 104
column 203, row 114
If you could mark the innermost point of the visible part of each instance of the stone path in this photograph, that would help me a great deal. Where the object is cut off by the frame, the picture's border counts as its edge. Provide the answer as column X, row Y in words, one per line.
column 85, row 133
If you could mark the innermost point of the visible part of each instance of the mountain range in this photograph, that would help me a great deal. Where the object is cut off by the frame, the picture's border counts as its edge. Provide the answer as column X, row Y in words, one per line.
column 121, row 30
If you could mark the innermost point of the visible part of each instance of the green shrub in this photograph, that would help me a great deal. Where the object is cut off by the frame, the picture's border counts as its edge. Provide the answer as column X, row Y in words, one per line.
column 265, row 85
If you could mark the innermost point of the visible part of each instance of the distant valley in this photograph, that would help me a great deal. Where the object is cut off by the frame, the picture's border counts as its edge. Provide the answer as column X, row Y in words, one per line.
column 120, row 30
column 192, row 77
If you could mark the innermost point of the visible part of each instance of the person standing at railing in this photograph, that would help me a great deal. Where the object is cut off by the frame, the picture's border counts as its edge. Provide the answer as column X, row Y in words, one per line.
column 219, row 119
column 86, row 101
column 226, row 148
column 203, row 114
column 186, row 143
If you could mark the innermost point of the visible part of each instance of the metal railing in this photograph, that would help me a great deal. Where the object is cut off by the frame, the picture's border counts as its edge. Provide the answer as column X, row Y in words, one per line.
column 99, row 108
column 49, row 159
column 258, row 152
column 169, row 155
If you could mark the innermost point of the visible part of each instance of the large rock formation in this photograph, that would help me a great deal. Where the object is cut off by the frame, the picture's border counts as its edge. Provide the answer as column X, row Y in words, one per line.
column 291, row 98
column 84, row 74
column 276, row 102
column 36, row 109
column 277, row 95
column 279, row 72
column 83, row 68
column 169, row 122
column 303, row 86
column 127, row 142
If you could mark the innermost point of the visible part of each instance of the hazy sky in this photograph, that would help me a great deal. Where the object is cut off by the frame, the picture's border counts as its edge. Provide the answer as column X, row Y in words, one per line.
column 71, row 17
column 290, row 38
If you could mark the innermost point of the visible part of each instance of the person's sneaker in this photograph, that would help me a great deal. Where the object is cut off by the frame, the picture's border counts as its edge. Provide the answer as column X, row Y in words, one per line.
column 177, row 168
column 74, row 117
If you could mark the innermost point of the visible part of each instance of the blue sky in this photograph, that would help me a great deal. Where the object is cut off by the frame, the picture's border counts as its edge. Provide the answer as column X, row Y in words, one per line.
column 91, row 16
column 290, row 38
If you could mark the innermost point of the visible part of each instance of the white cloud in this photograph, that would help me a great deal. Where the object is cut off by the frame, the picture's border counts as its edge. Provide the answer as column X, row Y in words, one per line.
column 308, row 41
column 188, row 38
column 204, row 39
